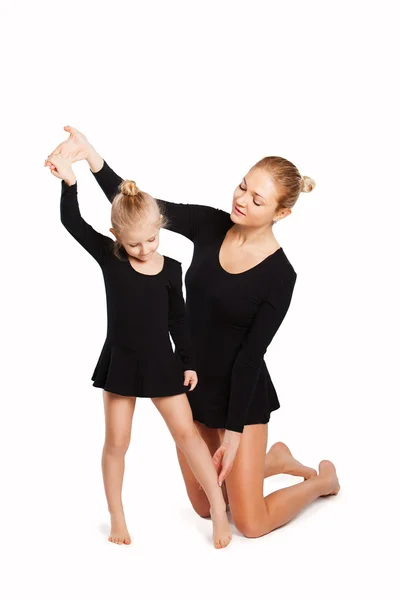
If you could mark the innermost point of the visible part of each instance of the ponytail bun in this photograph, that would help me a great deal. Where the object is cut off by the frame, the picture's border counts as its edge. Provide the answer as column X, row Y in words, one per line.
column 307, row 184
column 129, row 188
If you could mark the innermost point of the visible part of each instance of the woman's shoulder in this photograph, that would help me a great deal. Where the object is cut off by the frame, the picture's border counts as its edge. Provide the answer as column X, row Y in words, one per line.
column 279, row 272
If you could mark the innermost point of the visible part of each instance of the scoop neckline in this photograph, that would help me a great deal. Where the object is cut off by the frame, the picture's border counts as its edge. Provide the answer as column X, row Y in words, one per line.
column 149, row 274
column 280, row 249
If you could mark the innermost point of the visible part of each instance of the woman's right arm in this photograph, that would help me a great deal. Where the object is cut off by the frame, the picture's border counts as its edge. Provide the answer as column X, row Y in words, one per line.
column 187, row 219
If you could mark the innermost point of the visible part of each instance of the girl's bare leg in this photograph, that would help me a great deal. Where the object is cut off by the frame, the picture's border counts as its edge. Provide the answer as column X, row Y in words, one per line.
column 196, row 493
column 177, row 414
column 118, row 411
column 255, row 515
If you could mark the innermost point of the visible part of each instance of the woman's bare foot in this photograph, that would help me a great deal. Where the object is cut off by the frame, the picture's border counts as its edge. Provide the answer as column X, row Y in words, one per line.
column 222, row 533
column 279, row 459
column 119, row 531
column 327, row 473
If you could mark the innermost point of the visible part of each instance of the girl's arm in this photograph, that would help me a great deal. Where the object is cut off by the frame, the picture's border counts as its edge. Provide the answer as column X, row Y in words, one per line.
column 187, row 219
column 178, row 323
column 98, row 245
column 246, row 368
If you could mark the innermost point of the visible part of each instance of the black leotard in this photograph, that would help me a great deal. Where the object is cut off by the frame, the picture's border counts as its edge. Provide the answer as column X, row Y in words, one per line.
column 137, row 358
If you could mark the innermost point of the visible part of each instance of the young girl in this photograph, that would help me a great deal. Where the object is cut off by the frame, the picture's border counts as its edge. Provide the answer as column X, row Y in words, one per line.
column 144, row 304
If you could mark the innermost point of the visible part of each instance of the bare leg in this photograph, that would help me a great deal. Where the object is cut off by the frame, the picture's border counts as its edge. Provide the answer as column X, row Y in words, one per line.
column 279, row 459
column 118, row 412
column 255, row 515
column 196, row 493
column 178, row 416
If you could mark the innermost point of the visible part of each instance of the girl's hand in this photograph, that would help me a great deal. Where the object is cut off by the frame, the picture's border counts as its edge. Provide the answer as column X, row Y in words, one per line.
column 62, row 168
column 225, row 455
column 76, row 147
column 190, row 378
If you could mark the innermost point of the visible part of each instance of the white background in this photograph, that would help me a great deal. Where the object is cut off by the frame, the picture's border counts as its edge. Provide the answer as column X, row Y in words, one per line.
column 184, row 98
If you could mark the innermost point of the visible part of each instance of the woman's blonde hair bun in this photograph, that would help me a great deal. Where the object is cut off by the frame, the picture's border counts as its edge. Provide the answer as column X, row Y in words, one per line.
column 307, row 184
column 129, row 188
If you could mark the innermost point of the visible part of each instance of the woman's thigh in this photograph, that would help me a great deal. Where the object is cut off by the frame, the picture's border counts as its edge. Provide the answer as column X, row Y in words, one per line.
column 118, row 413
column 245, row 482
column 197, row 496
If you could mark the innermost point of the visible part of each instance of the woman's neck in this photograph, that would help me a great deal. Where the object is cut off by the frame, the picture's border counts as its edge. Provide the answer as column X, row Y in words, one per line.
column 261, row 237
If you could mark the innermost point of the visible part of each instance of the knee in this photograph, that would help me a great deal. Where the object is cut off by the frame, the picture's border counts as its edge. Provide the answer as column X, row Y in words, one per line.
column 249, row 528
column 116, row 447
column 202, row 511
column 186, row 436
column 249, row 524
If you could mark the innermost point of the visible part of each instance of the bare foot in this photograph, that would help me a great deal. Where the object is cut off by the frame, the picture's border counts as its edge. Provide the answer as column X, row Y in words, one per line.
column 221, row 528
column 279, row 459
column 119, row 531
column 327, row 472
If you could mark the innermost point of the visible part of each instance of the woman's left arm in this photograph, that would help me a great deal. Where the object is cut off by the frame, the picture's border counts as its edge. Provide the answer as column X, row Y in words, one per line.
column 247, row 365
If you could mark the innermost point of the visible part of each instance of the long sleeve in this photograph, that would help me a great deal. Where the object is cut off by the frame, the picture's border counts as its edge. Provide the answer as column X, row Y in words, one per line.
column 95, row 243
column 247, row 365
column 178, row 323
column 187, row 219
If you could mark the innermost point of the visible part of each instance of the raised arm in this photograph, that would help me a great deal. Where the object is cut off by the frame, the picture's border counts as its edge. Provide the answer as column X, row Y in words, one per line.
column 189, row 220
column 246, row 368
column 98, row 245
column 178, row 323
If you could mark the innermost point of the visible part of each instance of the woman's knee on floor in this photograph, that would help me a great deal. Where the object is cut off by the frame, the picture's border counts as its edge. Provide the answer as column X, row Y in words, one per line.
column 252, row 522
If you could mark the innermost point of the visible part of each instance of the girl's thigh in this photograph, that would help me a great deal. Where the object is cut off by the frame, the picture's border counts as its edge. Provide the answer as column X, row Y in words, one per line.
column 118, row 412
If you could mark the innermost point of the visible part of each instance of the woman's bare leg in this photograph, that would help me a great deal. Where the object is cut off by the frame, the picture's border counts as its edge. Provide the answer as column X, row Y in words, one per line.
column 255, row 515
column 118, row 412
column 177, row 414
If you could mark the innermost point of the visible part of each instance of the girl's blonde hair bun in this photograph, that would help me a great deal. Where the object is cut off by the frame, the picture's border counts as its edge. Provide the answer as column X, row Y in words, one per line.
column 307, row 184
column 129, row 188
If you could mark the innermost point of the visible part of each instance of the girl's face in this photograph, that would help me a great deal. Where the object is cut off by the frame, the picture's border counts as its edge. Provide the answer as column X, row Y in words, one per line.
column 141, row 241
column 255, row 200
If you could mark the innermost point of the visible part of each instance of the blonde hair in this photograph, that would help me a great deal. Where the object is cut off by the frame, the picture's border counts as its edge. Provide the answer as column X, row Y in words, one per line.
column 130, row 206
column 287, row 179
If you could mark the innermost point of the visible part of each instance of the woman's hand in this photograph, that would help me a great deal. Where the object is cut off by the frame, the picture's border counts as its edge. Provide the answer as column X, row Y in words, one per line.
column 226, row 454
column 76, row 147
column 190, row 378
column 61, row 168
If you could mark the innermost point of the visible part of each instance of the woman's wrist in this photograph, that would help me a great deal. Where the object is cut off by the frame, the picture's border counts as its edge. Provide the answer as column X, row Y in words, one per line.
column 94, row 160
column 231, row 436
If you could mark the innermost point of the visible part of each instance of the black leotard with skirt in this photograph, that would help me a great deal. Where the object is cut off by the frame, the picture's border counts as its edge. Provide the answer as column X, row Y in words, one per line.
column 137, row 358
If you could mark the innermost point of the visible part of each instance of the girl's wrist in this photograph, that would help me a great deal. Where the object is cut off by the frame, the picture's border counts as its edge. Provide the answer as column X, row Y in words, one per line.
column 70, row 180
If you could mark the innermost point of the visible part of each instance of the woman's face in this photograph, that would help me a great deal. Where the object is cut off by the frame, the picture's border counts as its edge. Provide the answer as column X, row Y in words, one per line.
column 255, row 199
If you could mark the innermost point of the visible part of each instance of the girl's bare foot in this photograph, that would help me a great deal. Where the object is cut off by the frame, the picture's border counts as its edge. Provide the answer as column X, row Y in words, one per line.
column 327, row 473
column 279, row 459
column 119, row 531
column 222, row 533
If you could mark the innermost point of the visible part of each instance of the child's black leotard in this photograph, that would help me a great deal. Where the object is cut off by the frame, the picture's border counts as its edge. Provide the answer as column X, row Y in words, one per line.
column 232, row 317
column 137, row 357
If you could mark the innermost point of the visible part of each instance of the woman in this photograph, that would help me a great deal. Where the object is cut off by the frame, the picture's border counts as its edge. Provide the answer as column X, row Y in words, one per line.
column 239, row 288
